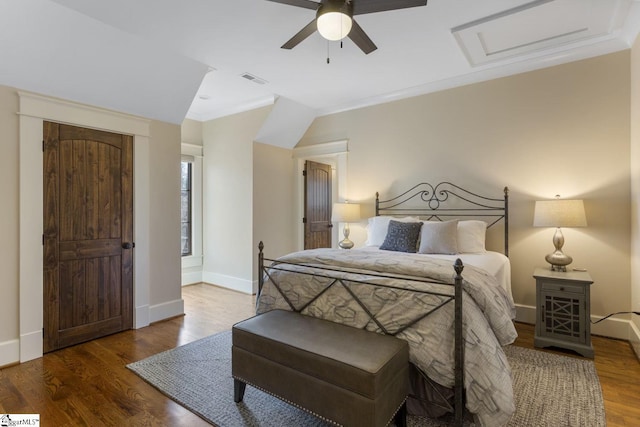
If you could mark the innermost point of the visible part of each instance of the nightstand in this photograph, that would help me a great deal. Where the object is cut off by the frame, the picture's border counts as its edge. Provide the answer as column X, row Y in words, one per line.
column 563, row 316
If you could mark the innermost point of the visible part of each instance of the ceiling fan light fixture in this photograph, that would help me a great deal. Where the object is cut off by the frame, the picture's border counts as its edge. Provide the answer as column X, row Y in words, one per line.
column 334, row 19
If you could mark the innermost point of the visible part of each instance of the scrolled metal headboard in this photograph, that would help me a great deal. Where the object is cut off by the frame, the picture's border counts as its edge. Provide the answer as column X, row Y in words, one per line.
column 448, row 201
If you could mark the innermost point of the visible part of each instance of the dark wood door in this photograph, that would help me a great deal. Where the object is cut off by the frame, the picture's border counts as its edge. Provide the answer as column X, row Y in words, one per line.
column 317, row 205
column 88, row 234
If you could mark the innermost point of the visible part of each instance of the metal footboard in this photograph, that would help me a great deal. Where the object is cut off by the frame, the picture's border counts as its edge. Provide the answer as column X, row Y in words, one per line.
column 266, row 271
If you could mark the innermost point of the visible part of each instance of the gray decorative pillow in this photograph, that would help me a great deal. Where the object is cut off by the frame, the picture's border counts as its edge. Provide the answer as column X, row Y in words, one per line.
column 402, row 236
column 439, row 237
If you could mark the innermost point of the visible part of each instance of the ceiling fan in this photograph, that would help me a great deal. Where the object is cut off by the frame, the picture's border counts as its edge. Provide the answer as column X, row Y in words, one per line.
column 334, row 19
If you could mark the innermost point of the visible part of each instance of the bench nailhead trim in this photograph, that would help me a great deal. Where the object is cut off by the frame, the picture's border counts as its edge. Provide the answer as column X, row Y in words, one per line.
column 289, row 402
column 307, row 410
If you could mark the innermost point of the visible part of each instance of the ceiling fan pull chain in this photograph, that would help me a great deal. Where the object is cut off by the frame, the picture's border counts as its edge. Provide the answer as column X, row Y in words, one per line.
column 328, row 60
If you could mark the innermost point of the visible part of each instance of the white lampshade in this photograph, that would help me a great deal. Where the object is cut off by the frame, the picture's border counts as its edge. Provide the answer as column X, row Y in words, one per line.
column 559, row 213
column 345, row 212
column 334, row 25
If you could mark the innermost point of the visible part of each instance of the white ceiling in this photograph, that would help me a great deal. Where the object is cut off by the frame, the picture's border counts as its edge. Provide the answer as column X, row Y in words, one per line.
column 167, row 59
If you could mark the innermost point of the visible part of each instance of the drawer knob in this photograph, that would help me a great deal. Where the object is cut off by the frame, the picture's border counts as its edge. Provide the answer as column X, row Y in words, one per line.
column 562, row 288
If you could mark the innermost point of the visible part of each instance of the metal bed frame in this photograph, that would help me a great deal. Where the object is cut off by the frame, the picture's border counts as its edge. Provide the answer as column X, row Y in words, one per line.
column 448, row 201
column 437, row 199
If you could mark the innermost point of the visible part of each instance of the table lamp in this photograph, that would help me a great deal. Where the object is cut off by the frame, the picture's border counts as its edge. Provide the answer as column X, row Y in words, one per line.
column 345, row 212
column 559, row 213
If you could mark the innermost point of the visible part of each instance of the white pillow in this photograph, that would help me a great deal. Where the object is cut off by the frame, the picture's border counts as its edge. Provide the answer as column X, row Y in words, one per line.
column 378, row 225
column 471, row 236
column 439, row 237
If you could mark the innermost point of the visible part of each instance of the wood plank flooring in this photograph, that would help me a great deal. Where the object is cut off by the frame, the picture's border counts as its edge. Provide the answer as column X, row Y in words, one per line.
column 88, row 384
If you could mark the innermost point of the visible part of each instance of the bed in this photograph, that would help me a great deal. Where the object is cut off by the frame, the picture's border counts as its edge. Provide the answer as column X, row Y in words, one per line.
column 455, row 319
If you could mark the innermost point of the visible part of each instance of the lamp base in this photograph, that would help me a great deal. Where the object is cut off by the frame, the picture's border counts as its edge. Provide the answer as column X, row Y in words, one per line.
column 558, row 261
column 345, row 244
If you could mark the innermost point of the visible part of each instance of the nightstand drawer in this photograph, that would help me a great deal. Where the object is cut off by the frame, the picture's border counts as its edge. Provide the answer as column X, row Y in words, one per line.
column 563, row 287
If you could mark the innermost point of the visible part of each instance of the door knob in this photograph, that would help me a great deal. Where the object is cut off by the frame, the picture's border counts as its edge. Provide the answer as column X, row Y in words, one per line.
column 127, row 245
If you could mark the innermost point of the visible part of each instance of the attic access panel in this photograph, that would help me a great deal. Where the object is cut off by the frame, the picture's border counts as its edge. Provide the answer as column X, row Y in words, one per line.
column 538, row 25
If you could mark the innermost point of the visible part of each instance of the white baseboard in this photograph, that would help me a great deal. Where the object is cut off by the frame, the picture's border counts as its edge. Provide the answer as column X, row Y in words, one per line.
column 634, row 339
column 612, row 328
column 525, row 314
column 166, row 310
column 31, row 346
column 189, row 278
column 141, row 317
column 9, row 352
column 229, row 282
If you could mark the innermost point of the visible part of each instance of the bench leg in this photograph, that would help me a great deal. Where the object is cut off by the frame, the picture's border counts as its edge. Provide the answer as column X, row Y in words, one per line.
column 238, row 390
column 400, row 419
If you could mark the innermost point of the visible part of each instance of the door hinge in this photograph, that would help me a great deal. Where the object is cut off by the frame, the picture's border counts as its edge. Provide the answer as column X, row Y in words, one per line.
column 304, row 220
column 304, row 172
column 43, row 240
column 43, row 145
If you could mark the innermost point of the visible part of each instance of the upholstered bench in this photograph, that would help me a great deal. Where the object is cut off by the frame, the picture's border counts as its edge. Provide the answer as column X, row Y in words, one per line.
column 344, row 375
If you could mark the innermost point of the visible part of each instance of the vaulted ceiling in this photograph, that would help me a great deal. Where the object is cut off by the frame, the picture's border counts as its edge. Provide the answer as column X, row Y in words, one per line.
column 202, row 59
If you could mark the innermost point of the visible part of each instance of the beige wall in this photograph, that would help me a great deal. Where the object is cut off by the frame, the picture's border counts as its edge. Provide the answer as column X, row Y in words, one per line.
column 228, row 198
column 273, row 201
column 561, row 130
column 635, row 192
column 9, row 326
column 191, row 132
column 164, row 204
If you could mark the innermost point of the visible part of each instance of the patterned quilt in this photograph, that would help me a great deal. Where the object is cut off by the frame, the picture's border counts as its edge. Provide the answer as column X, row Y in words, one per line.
column 399, row 305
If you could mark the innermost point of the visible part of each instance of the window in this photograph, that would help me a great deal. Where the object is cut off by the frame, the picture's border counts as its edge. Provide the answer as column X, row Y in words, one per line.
column 186, row 195
column 191, row 213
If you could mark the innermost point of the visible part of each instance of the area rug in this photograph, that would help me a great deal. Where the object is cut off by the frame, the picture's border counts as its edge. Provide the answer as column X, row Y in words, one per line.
column 550, row 390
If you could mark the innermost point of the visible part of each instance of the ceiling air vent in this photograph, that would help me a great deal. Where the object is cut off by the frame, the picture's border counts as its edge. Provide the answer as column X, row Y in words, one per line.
column 253, row 78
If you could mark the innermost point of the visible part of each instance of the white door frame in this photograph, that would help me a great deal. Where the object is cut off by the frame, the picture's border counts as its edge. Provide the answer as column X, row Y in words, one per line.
column 334, row 153
column 33, row 111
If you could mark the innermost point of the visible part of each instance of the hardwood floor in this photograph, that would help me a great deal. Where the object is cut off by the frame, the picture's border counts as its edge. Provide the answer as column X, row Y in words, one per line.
column 88, row 384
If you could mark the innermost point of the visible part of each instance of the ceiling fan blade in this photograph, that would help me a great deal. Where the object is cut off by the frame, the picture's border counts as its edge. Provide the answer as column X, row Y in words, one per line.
column 307, row 4
column 309, row 29
column 360, row 7
column 361, row 39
